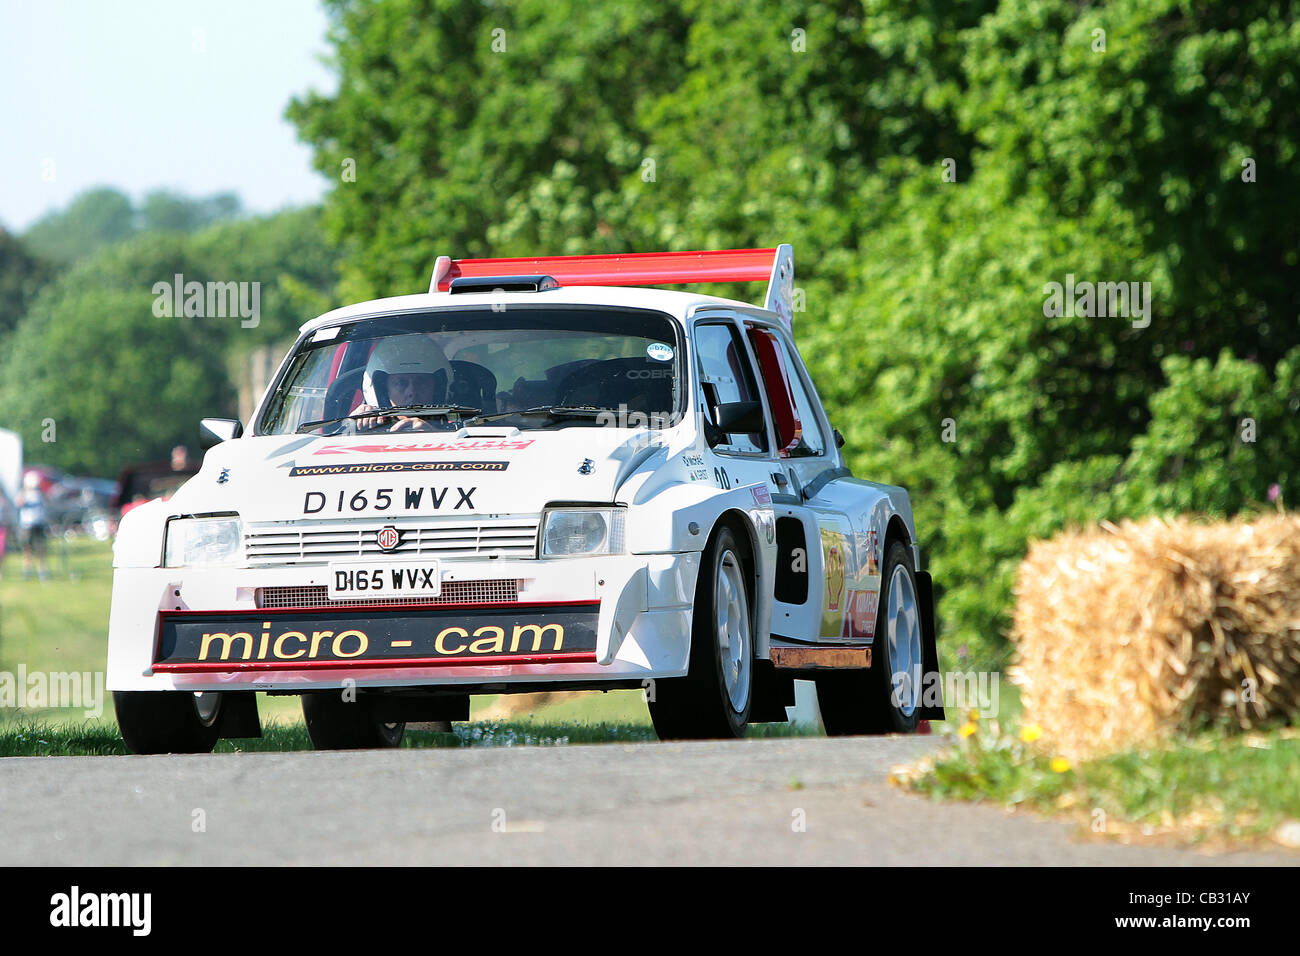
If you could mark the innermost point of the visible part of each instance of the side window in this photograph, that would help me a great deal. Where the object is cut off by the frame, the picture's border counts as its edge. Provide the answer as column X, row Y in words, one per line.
column 776, row 382
column 811, row 443
column 725, row 377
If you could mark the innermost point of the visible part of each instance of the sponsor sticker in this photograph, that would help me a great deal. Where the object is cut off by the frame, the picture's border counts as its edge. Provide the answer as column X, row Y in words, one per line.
column 379, row 467
column 233, row 641
column 659, row 352
column 480, row 444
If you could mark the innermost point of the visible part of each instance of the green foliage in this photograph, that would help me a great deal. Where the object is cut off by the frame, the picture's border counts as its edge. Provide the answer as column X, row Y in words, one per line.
column 103, row 216
column 97, row 217
column 164, row 211
column 1198, row 788
column 1168, row 155
column 451, row 138
column 122, row 384
column 289, row 255
column 21, row 276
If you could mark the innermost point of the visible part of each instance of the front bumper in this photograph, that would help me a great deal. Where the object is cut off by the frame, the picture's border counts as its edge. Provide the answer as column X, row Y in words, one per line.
column 640, row 606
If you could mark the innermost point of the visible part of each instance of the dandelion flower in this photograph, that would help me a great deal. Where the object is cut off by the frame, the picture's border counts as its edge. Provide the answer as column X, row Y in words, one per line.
column 966, row 730
column 1030, row 732
column 1060, row 765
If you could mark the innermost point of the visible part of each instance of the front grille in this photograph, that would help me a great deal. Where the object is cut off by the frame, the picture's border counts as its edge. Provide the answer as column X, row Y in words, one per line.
column 453, row 592
column 278, row 544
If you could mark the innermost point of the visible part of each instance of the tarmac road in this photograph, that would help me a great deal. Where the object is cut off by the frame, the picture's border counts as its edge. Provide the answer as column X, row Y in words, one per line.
column 735, row 802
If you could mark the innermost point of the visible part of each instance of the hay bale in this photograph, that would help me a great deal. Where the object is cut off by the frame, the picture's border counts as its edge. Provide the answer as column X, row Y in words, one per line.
column 1129, row 635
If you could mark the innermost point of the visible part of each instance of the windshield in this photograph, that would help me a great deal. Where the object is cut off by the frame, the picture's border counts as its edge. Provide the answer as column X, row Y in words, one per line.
column 436, row 371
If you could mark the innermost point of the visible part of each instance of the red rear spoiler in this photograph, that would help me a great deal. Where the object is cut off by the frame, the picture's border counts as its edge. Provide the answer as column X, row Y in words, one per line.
column 642, row 268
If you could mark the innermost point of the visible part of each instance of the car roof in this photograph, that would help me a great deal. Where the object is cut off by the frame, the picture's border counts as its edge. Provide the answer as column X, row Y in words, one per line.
column 679, row 305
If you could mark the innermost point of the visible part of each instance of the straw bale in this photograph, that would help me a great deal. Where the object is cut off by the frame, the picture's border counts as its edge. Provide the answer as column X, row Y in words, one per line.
column 1128, row 635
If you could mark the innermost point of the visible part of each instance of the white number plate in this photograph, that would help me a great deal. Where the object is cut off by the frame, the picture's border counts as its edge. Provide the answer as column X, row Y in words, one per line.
column 389, row 579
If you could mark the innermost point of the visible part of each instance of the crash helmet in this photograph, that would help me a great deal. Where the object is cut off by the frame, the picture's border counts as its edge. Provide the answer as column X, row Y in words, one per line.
column 406, row 370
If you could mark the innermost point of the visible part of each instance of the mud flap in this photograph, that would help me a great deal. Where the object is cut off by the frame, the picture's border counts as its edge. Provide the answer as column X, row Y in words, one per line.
column 239, row 715
column 930, row 686
column 773, row 693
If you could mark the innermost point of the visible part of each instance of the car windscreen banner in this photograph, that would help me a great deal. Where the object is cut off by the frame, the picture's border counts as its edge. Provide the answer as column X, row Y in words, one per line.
column 366, row 636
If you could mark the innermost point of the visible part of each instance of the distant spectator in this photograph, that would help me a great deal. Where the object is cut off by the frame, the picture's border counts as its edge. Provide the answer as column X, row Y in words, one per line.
column 33, row 526
column 181, row 459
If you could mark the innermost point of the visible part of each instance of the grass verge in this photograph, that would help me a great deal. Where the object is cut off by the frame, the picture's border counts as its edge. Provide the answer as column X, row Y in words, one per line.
column 43, row 738
column 1212, row 790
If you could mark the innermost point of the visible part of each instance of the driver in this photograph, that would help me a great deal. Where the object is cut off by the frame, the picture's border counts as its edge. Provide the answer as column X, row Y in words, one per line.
column 403, row 370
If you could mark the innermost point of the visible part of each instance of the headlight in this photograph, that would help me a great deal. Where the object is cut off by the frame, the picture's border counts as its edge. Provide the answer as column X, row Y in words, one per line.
column 586, row 531
column 200, row 542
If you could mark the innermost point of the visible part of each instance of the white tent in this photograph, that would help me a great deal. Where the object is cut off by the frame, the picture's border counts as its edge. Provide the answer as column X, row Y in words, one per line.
column 11, row 465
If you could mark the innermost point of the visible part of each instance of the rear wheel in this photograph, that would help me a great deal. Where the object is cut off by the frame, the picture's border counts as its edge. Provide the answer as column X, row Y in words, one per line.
column 337, row 724
column 714, row 699
column 885, row 699
column 167, row 722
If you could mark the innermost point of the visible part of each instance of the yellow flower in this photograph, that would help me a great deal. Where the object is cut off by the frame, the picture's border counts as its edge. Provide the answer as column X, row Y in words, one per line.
column 966, row 730
column 973, row 716
column 1030, row 732
column 1060, row 765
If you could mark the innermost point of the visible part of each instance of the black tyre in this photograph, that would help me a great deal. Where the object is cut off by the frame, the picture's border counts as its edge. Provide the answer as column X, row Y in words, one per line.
column 885, row 699
column 337, row 724
column 167, row 722
column 714, row 699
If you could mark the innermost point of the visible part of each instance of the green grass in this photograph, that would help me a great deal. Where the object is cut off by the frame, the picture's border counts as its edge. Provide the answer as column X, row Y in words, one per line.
column 1207, row 789
column 61, row 624
column 38, row 738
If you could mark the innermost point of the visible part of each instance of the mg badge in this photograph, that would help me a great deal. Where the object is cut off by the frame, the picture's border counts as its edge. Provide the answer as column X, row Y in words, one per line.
column 388, row 538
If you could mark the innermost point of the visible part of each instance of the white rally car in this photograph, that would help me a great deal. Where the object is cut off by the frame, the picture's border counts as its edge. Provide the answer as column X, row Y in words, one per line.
column 527, row 479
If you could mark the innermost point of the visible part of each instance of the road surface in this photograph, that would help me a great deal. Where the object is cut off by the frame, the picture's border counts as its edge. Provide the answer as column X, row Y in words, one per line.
column 761, row 801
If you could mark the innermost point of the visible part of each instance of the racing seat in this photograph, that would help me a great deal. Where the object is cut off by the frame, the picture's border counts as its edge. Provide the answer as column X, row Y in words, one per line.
column 344, row 393
column 473, row 385
column 641, row 384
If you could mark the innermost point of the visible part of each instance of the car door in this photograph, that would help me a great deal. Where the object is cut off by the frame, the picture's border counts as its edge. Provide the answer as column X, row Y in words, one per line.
column 725, row 375
column 828, row 571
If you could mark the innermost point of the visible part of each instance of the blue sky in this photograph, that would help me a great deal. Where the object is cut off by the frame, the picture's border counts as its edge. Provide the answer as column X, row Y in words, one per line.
column 187, row 95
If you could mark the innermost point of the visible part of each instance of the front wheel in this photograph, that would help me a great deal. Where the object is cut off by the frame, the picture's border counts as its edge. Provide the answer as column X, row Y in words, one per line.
column 886, row 699
column 337, row 724
column 167, row 721
column 714, row 699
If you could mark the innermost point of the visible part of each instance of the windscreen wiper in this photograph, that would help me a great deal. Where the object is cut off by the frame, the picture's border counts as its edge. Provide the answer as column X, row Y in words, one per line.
column 552, row 411
column 414, row 411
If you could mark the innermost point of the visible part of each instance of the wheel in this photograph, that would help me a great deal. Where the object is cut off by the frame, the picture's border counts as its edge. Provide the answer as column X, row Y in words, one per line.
column 337, row 724
column 168, row 721
column 715, row 697
column 886, row 698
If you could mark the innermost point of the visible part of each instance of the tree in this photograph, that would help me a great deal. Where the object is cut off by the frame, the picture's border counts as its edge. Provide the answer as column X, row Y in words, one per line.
column 92, row 367
column 937, row 165
column 165, row 211
column 452, row 118
column 95, row 218
column 21, row 276
column 121, row 383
